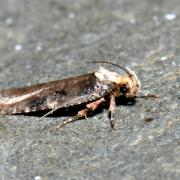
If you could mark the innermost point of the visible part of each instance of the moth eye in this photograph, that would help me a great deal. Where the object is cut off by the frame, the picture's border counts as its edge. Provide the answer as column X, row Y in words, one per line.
column 123, row 89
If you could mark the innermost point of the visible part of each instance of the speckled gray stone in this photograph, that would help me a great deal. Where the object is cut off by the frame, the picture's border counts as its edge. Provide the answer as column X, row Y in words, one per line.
column 46, row 40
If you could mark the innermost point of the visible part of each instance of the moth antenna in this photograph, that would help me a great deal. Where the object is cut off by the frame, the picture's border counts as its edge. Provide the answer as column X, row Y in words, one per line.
column 144, row 95
column 120, row 66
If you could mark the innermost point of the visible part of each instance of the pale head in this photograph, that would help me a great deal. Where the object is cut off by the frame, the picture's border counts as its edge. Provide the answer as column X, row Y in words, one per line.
column 127, row 84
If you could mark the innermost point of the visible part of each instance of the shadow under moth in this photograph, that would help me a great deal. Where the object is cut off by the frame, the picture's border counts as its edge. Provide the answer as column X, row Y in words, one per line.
column 91, row 89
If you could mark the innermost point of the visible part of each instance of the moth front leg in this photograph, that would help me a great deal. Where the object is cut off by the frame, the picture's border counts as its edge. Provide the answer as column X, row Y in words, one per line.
column 83, row 113
column 112, row 108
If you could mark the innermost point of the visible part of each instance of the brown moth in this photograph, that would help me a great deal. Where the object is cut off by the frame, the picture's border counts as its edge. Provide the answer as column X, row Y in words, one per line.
column 90, row 89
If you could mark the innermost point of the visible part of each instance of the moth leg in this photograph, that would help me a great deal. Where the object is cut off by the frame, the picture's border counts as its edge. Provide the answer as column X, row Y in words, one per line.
column 80, row 115
column 92, row 106
column 112, row 108
column 83, row 113
column 50, row 112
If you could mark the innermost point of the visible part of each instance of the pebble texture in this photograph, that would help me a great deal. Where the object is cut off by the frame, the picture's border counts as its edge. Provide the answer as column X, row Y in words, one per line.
column 47, row 40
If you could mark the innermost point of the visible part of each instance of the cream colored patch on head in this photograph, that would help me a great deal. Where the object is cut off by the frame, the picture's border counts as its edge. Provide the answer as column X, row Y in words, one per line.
column 135, row 77
column 105, row 75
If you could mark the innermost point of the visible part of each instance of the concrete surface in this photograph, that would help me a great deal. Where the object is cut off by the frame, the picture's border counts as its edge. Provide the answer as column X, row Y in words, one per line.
column 51, row 39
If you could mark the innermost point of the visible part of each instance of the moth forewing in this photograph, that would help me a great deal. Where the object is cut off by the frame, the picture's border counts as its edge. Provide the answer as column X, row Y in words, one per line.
column 52, row 95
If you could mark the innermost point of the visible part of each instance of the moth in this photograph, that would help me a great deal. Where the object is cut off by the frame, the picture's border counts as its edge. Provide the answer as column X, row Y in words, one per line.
column 90, row 89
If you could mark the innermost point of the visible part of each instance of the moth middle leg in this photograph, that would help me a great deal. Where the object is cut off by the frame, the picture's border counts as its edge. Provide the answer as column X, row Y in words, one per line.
column 83, row 113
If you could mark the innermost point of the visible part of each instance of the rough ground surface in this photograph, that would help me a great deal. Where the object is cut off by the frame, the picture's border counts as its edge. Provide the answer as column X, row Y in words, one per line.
column 51, row 39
